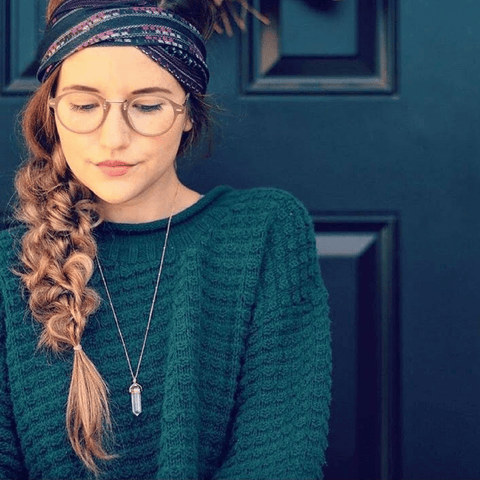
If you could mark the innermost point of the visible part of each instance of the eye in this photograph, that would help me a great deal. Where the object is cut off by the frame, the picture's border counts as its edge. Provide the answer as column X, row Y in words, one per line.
column 84, row 107
column 148, row 105
column 81, row 102
column 149, row 108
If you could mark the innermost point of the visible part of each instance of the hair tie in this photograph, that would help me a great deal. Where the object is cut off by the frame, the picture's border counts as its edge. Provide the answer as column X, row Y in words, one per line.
column 164, row 36
column 77, row 347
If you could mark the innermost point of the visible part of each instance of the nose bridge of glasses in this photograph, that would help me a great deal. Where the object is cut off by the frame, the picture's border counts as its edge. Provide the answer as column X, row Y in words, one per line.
column 123, row 109
column 107, row 103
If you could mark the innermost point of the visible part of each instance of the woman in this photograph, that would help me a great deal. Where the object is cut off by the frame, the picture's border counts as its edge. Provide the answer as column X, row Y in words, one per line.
column 181, row 336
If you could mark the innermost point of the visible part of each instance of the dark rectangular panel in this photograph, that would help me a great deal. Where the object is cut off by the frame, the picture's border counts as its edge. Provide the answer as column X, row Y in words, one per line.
column 320, row 47
column 310, row 30
column 23, row 25
column 339, row 275
column 358, row 257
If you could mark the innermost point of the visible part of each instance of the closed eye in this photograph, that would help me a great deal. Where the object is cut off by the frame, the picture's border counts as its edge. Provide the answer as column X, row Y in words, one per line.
column 83, row 108
column 142, row 108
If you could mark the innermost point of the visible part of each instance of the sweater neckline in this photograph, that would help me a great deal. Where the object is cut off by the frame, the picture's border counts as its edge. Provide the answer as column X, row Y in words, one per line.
column 161, row 224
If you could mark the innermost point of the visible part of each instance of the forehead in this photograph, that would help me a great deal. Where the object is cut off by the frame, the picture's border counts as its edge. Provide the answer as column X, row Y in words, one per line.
column 115, row 68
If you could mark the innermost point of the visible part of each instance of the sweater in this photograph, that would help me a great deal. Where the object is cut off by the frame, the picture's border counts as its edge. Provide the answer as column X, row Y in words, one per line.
column 236, row 373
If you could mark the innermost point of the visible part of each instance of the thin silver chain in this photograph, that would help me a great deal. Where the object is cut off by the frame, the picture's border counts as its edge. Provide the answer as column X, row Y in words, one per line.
column 134, row 376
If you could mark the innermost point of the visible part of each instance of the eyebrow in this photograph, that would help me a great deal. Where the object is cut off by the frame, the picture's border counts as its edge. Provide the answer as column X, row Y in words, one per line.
column 84, row 88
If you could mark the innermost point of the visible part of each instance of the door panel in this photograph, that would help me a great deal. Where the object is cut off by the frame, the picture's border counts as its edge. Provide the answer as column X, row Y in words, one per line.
column 359, row 264
column 372, row 122
column 324, row 47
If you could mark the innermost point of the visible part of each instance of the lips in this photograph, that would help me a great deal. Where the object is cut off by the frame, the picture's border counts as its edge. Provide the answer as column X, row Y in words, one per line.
column 114, row 168
column 114, row 163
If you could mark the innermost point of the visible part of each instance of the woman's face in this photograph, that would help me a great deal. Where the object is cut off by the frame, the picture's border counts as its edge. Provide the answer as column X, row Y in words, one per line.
column 115, row 73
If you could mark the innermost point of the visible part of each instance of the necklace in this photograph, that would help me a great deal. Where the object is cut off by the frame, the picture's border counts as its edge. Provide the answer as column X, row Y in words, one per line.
column 135, row 388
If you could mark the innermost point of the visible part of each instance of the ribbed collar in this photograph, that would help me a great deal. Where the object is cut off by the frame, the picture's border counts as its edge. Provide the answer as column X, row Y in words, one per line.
column 133, row 242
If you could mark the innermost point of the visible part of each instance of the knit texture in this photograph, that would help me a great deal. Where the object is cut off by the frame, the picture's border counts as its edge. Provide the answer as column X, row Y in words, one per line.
column 236, row 374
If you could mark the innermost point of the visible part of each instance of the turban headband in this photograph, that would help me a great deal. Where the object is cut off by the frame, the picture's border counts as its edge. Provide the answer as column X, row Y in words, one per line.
column 164, row 36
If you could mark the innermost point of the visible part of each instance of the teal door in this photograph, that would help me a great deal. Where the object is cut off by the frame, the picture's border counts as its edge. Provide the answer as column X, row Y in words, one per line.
column 367, row 110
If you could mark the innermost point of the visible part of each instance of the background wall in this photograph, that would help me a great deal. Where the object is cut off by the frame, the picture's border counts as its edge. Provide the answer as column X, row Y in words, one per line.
column 366, row 110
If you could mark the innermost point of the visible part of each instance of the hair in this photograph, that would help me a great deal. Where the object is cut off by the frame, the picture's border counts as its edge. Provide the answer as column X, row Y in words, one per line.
column 58, row 249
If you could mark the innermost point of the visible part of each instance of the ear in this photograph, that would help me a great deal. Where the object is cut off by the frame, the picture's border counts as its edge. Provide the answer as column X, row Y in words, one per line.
column 188, row 124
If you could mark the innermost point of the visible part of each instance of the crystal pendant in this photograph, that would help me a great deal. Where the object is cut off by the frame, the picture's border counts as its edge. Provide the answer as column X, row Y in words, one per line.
column 136, row 392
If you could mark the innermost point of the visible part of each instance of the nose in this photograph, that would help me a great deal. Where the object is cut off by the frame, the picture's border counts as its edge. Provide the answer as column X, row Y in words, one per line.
column 115, row 132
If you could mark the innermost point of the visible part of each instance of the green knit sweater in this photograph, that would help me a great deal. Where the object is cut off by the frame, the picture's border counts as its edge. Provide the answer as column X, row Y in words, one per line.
column 237, row 368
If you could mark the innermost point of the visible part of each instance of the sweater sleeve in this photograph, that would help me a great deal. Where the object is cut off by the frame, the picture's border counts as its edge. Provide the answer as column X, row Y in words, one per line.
column 11, row 464
column 280, row 425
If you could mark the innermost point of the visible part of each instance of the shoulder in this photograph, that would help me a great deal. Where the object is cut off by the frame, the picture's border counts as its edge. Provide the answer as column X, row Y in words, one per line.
column 264, row 205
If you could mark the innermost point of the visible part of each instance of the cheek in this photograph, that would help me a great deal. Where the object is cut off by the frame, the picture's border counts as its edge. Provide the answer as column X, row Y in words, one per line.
column 68, row 147
column 74, row 142
column 165, row 146
column 66, row 138
column 74, row 149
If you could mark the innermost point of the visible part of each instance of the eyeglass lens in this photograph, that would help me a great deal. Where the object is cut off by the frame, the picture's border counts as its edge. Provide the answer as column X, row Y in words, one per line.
column 147, row 114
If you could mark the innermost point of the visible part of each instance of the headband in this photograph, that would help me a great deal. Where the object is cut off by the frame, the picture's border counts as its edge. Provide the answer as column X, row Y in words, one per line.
column 164, row 36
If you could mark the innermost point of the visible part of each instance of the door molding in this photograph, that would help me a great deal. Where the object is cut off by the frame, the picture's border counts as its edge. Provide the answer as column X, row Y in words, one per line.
column 21, row 25
column 264, row 69
column 366, row 342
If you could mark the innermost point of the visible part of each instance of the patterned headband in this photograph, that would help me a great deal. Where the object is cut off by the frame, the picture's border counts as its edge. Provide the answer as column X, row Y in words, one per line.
column 165, row 37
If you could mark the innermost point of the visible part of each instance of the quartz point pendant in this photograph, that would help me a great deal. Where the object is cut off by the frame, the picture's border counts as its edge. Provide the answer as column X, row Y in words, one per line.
column 136, row 393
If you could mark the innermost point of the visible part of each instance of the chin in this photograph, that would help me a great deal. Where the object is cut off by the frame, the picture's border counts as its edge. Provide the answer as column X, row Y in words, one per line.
column 112, row 198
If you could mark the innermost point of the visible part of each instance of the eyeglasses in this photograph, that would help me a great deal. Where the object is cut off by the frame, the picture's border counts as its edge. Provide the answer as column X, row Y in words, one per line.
column 149, row 115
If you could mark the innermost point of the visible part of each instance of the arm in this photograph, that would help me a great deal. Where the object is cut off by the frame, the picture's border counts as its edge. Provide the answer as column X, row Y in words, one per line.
column 280, row 426
column 11, row 464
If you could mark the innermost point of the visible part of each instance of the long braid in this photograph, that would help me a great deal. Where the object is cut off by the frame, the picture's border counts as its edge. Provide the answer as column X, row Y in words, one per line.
column 57, row 256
